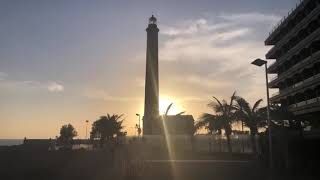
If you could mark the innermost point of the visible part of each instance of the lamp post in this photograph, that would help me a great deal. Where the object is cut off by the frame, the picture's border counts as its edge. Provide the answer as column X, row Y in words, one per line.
column 260, row 62
column 87, row 121
column 139, row 127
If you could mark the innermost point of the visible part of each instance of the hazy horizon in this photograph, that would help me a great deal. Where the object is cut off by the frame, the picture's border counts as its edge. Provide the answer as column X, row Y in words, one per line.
column 68, row 61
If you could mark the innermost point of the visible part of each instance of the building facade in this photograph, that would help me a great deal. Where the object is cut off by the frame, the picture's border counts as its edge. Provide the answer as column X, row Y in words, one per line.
column 296, row 51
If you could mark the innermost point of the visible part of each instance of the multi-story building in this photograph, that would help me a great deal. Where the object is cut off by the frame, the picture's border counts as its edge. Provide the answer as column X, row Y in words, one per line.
column 296, row 50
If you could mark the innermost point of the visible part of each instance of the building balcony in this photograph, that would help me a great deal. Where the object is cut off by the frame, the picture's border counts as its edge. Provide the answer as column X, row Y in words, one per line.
column 275, row 94
column 296, row 88
column 297, row 68
column 273, row 78
column 293, row 33
column 275, row 33
column 307, row 106
column 295, row 50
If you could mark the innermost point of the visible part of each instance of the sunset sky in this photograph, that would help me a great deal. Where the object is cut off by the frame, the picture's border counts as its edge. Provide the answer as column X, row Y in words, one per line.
column 69, row 61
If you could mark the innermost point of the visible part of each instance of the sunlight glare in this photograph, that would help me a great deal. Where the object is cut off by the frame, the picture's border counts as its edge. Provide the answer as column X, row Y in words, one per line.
column 165, row 101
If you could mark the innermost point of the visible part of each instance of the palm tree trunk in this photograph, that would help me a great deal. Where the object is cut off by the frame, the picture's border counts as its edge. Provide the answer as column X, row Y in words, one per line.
column 253, row 132
column 102, row 140
column 220, row 143
column 228, row 132
column 229, row 143
column 242, row 135
column 253, row 143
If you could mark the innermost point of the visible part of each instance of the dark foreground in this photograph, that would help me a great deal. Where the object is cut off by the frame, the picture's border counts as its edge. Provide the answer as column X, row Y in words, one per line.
column 103, row 164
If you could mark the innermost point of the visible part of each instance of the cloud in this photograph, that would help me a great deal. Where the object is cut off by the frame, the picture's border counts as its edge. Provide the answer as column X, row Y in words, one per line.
column 226, row 37
column 233, row 34
column 55, row 87
column 100, row 94
column 199, row 58
column 192, row 26
column 22, row 85
column 205, row 82
column 221, row 47
column 3, row 75
column 212, row 55
column 254, row 17
column 218, row 23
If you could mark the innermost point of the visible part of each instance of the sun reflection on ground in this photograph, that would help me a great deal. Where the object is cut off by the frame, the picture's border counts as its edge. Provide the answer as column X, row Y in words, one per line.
column 171, row 151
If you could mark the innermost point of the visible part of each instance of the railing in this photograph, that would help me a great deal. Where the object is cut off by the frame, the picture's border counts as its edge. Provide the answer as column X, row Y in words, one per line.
column 240, row 143
column 275, row 94
column 310, row 17
column 273, row 78
column 304, row 81
column 284, row 19
column 297, row 84
column 304, row 43
column 292, row 106
column 270, row 64
column 313, row 100
column 309, row 60
column 303, row 103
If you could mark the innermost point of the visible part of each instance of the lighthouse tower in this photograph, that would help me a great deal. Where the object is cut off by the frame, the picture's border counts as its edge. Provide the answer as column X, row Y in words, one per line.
column 151, row 104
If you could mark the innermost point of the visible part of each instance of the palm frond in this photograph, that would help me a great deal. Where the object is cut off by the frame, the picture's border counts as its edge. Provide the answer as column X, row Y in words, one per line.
column 168, row 108
column 256, row 105
column 180, row 113
column 211, row 122
column 207, row 117
column 200, row 124
column 216, row 107
column 243, row 105
column 220, row 107
column 233, row 97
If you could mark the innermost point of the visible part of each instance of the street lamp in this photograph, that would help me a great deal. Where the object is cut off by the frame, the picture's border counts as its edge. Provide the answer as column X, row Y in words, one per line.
column 87, row 121
column 139, row 128
column 260, row 62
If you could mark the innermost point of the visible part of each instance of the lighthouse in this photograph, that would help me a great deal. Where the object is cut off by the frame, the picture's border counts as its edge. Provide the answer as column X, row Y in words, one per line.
column 153, row 123
column 151, row 104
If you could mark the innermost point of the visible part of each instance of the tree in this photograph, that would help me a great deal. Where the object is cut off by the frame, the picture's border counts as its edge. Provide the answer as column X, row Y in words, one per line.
column 212, row 123
column 67, row 133
column 222, row 119
column 252, row 117
column 107, row 127
column 280, row 114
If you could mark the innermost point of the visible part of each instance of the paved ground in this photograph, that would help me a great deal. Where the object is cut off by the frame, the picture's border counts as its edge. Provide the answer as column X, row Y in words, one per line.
column 197, row 169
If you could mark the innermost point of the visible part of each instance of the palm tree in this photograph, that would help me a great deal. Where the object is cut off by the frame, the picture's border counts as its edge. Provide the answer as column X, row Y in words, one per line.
column 252, row 117
column 212, row 123
column 222, row 119
column 107, row 127
column 278, row 114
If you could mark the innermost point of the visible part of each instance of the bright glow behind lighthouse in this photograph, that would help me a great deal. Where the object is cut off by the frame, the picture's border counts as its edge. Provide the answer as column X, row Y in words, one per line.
column 165, row 101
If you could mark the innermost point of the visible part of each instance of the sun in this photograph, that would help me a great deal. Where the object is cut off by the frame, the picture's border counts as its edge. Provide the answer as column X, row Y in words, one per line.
column 165, row 101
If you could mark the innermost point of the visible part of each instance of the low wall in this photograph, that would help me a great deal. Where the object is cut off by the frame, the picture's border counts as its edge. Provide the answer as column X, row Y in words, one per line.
column 198, row 143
